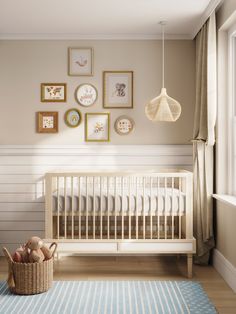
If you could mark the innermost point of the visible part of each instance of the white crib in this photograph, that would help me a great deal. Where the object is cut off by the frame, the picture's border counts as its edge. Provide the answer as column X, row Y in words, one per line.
column 121, row 213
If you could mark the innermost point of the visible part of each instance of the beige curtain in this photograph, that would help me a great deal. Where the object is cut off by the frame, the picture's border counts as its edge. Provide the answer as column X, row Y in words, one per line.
column 204, row 138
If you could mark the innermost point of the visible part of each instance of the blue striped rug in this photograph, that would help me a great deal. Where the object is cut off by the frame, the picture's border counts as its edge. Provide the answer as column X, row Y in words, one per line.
column 111, row 297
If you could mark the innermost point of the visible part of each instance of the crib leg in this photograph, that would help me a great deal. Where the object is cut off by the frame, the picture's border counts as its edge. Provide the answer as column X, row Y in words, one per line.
column 190, row 265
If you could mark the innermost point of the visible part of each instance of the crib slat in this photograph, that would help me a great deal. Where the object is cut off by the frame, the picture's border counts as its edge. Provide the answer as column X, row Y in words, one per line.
column 86, row 182
column 165, row 193
column 94, row 208
column 144, row 222
column 79, row 195
column 72, row 207
column 122, row 208
column 180, row 225
column 101, row 208
column 150, row 207
column 65, row 206
column 115, row 207
column 136, row 207
column 58, row 205
column 158, row 207
column 129, row 207
column 172, row 208
column 108, row 208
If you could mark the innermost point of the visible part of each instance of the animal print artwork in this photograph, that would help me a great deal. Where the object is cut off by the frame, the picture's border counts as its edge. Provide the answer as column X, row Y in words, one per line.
column 120, row 90
column 81, row 61
column 48, row 122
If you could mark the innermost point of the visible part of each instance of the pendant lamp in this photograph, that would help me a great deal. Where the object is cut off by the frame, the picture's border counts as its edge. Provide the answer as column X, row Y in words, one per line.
column 163, row 107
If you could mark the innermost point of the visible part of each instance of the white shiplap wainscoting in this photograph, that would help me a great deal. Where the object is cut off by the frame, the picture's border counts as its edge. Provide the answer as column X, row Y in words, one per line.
column 22, row 170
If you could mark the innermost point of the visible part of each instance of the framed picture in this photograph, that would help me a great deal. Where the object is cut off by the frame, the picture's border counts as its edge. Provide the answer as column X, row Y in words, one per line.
column 53, row 92
column 47, row 122
column 73, row 118
column 118, row 89
column 80, row 61
column 97, row 127
column 86, row 95
column 124, row 125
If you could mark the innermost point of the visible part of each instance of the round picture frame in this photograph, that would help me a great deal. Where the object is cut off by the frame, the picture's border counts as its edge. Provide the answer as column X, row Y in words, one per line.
column 86, row 95
column 124, row 125
column 73, row 118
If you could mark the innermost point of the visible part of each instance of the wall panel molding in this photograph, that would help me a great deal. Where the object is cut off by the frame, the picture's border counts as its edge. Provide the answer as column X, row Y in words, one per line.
column 22, row 170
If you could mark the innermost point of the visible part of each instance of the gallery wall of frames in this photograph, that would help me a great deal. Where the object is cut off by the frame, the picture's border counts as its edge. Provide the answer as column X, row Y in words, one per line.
column 117, row 93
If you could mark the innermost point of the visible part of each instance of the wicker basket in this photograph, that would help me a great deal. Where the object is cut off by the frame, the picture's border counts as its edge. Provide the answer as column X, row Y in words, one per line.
column 29, row 278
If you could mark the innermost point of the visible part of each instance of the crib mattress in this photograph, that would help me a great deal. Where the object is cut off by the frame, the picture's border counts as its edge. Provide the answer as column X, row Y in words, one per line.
column 167, row 203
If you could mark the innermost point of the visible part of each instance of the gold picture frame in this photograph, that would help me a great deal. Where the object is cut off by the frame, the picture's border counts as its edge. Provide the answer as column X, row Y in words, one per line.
column 80, row 61
column 47, row 122
column 53, row 92
column 118, row 89
column 97, row 127
column 124, row 125
column 69, row 121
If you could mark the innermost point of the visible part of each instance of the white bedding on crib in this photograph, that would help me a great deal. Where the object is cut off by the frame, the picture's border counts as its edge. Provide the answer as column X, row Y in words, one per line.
column 164, row 202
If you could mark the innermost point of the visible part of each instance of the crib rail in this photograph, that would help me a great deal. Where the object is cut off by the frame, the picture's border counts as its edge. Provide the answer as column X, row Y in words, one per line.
column 119, row 206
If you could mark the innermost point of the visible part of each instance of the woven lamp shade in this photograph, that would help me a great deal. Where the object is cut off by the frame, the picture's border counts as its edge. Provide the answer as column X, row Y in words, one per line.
column 163, row 108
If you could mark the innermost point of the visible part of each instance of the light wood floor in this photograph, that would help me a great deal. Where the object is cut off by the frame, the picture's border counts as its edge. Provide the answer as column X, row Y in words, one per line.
column 142, row 268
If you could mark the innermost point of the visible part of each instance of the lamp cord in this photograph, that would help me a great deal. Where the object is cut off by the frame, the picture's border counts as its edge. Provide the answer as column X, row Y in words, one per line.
column 163, row 56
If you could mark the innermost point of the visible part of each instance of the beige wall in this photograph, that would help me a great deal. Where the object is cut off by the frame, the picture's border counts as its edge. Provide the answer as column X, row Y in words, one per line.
column 225, row 12
column 26, row 64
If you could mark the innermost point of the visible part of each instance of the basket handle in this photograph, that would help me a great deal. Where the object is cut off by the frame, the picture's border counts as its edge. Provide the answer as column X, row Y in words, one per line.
column 8, row 255
column 55, row 247
column 10, row 279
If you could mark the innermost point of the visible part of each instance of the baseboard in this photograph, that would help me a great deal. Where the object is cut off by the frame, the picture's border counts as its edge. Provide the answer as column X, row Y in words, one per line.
column 225, row 269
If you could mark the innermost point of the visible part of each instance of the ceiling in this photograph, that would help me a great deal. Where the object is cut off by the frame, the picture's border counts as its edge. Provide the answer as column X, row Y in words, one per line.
column 78, row 19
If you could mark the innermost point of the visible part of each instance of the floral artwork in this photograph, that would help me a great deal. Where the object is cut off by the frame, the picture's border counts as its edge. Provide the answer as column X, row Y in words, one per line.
column 51, row 92
column 80, row 61
column 86, row 94
column 118, row 89
column 97, row 127
column 47, row 122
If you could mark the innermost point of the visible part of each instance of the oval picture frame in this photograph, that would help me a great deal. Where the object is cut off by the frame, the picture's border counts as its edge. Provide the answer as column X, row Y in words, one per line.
column 73, row 121
column 86, row 94
column 124, row 127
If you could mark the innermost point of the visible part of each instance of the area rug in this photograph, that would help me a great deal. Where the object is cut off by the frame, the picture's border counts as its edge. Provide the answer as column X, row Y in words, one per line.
column 164, row 297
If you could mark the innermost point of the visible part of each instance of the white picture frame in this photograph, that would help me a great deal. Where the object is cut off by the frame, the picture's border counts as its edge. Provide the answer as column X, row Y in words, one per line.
column 86, row 94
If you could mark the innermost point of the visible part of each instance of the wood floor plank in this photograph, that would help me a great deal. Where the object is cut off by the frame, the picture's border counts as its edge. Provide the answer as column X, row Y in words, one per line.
column 141, row 268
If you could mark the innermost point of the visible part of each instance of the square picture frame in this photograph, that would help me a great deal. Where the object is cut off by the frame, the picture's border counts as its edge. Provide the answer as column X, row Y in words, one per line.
column 80, row 61
column 97, row 127
column 118, row 89
column 53, row 92
column 47, row 122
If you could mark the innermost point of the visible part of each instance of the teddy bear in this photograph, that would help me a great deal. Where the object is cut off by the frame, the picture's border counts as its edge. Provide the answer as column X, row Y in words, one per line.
column 38, row 251
column 34, row 251
column 21, row 254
